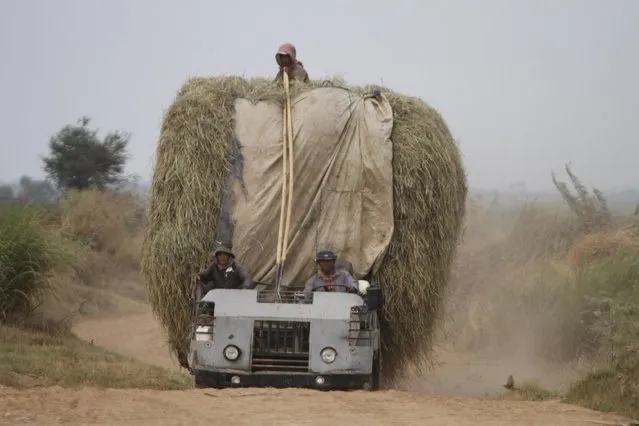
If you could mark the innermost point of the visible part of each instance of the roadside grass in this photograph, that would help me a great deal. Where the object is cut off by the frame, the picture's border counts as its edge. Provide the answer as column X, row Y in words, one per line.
column 30, row 254
column 531, row 392
column 38, row 359
column 612, row 389
column 59, row 263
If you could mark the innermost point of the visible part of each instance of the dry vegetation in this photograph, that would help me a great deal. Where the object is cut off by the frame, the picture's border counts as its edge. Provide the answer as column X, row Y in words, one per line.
column 37, row 359
column 62, row 262
column 554, row 281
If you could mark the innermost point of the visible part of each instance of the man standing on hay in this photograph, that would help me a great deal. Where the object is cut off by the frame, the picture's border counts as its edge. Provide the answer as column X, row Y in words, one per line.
column 223, row 272
column 286, row 58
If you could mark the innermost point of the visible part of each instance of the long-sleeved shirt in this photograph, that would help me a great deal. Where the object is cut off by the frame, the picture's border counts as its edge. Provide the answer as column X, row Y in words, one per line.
column 340, row 281
column 231, row 276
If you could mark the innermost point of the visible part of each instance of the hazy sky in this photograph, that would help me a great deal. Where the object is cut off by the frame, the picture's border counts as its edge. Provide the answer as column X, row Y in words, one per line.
column 525, row 86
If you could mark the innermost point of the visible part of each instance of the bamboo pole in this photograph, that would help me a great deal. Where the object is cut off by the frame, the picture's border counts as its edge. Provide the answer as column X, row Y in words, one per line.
column 280, row 233
column 289, row 134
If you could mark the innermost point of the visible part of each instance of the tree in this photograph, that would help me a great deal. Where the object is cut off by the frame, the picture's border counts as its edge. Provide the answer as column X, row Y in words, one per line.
column 6, row 192
column 38, row 191
column 80, row 160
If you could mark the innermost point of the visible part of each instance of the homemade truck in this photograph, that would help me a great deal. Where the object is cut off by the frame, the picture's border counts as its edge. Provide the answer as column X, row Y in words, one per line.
column 279, row 338
column 274, row 336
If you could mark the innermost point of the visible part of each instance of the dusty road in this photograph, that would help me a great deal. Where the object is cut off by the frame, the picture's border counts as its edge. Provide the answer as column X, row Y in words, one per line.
column 139, row 336
column 277, row 407
column 135, row 335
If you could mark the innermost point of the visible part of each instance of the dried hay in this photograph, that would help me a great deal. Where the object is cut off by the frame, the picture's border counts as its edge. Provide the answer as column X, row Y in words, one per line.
column 541, row 233
column 105, row 220
column 191, row 165
column 605, row 245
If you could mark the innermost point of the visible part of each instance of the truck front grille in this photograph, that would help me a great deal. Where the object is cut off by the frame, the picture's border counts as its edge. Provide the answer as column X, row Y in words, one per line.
column 288, row 296
column 280, row 346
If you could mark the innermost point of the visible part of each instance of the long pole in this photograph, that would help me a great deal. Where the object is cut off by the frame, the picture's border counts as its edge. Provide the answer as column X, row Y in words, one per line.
column 289, row 134
column 287, row 188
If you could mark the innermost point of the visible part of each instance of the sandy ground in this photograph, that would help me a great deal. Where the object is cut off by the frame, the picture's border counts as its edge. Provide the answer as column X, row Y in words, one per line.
column 139, row 336
column 277, row 407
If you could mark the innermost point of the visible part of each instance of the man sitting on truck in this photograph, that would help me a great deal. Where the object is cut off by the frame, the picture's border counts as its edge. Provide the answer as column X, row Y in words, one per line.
column 328, row 277
column 224, row 272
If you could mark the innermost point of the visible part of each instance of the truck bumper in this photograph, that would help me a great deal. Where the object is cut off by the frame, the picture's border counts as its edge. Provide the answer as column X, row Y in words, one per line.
column 220, row 380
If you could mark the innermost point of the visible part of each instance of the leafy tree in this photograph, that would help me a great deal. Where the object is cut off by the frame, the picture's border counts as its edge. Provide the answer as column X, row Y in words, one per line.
column 80, row 160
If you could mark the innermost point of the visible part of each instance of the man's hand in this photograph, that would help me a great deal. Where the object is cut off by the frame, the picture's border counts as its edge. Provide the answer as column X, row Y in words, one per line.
column 354, row 289
column 196, row 280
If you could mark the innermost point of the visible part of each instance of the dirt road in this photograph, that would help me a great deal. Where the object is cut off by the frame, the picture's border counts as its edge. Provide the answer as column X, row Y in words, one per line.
column 139, row 336
column 275, row 408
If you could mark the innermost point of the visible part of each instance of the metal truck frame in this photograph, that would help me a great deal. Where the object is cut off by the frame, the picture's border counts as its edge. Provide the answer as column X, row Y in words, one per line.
column 277, row 338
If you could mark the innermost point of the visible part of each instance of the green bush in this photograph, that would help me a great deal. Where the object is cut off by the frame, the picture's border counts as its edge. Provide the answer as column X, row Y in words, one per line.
column 29, row 254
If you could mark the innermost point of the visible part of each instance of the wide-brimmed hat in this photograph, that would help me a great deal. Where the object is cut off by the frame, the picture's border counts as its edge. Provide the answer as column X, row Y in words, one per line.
column 223, row 249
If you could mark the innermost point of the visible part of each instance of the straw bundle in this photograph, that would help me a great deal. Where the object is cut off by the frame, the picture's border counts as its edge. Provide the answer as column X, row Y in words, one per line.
column 191, row 166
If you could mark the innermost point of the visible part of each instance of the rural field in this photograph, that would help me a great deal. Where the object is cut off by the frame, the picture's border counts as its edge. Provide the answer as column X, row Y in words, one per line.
column 545, row 292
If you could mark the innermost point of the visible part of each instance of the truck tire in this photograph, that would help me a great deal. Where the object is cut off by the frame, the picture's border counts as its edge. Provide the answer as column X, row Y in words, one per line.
column 204, row 381
column 376, row 375
column 183, row 361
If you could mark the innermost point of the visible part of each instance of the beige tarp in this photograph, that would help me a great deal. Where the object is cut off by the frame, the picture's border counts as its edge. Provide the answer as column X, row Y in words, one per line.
column 343, row 193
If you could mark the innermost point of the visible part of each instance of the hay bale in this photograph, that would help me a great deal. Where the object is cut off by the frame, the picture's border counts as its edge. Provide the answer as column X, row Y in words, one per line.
column 191, row 166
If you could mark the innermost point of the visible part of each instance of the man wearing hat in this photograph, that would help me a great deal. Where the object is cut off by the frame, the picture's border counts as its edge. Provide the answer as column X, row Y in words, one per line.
column 328, row 277
column 224, row 272
column 286, row 58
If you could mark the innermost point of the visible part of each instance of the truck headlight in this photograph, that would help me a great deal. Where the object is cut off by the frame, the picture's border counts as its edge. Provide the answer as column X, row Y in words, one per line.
column 231, row 352
column 204, row 329
column 328, row 355
column 204, row 333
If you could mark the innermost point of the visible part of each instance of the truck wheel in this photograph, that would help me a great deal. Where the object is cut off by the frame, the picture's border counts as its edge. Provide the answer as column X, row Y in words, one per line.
column 184, row 362
column 376, row 373
column 204, row 381
column 200, row 381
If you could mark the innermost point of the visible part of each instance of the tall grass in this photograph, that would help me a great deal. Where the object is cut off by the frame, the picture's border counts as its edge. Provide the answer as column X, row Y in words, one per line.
column 29, row 255
column 105, row 221
column 108, row 224
column 612, row 389
column 525, row 290
column 75, row 256
column 541, row 283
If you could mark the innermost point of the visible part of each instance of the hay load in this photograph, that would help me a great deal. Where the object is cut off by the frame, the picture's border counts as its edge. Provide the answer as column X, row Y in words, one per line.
column 403, row 222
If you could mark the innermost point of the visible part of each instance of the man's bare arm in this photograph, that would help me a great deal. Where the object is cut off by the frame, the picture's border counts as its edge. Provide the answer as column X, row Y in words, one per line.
column 207, row 274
